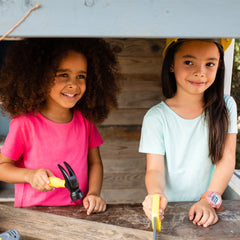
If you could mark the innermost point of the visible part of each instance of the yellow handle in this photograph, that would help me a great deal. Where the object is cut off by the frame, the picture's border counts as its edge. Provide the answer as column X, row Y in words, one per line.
column 155, row 211
column 56, row 182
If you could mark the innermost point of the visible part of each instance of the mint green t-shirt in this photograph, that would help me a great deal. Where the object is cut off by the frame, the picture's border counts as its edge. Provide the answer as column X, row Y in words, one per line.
column 184, row 144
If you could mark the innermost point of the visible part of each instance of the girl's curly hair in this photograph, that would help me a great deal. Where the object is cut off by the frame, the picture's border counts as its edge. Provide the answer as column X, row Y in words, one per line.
column 29, row 68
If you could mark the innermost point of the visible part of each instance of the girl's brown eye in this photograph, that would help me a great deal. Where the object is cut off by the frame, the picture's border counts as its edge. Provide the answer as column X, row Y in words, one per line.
column 210, row 64
column 188, row 62
column 62, row 75
column 81, row 76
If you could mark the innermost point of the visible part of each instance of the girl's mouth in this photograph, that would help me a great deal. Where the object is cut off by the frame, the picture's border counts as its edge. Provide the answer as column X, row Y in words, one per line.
column 197, row 83
column 70, row 95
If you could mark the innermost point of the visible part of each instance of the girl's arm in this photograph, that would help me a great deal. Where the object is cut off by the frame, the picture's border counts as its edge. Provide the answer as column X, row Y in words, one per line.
column 93, row 202
column 38, row 178
column 204, row 214
column 155, row 183
column 225, row 167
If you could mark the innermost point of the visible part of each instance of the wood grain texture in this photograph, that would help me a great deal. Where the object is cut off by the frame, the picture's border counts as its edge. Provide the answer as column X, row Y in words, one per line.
column 131, row 65
column 120, row 221
column 35, row 225
column 120, row 132
column 123, row 180
column 123, row 196
column 120, row 149
column 137, row 47
column 130, row 165
column 125, row 117
column 140, row 83
column 129, row 100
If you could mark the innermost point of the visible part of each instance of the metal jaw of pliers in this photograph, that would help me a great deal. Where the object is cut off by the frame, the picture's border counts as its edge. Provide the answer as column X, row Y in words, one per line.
column 71, row 182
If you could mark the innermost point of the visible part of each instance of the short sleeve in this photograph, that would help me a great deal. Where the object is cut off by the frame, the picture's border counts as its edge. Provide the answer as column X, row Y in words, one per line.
column 13, row 146
column 232, row 111
column 152, row 137
column 95, row 138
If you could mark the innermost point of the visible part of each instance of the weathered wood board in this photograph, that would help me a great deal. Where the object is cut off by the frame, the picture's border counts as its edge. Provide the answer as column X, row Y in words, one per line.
column 35, row 225
column 122, row 221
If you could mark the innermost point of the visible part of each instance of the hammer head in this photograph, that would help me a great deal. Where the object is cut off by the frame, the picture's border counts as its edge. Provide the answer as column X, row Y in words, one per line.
column 71, row 182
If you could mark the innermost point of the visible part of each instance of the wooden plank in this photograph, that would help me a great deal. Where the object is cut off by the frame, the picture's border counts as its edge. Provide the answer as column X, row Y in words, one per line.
column 137, row 47
column 121, row 133
column 129, row 100
column 133, row 65
column 120, row 150
column 140, row 83
column 117, row 196
column 123, row 180
column 233, row 189
column 228, row 227
column 131, row 165
column 133, row 18
column 175, row 223
column 140, row 92
column 35, row 225
column 125, row 217
column 125, row 117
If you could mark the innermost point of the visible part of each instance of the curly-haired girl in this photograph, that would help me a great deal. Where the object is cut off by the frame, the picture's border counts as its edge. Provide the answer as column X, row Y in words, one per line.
column 56, row 90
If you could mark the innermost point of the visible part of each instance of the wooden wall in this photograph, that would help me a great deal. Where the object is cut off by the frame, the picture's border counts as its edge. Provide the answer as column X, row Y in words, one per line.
column 140, row 63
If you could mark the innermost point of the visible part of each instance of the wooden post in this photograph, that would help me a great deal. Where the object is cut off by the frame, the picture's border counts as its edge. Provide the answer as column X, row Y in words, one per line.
column 228, row 58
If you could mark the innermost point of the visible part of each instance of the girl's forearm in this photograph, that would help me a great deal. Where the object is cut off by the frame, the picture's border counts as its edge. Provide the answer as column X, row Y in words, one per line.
column 12, row 174
column 155, row 182
column 225, row 167
column 221, row 177
column 95, row 179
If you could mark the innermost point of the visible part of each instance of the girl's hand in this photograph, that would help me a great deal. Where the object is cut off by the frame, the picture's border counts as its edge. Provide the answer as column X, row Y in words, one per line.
column 147, row 206
column 38, row 178
column 93, row 204
column 201, row 213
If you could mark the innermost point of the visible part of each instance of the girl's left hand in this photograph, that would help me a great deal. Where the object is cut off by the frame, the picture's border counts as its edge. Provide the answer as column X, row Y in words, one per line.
column 93, row 204
column 201, row 213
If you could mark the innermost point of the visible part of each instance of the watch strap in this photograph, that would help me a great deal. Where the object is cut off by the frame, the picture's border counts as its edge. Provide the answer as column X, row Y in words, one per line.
column 214, row 199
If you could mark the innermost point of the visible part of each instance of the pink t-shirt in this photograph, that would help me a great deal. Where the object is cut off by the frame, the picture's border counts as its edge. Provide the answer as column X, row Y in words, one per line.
column 36, row 142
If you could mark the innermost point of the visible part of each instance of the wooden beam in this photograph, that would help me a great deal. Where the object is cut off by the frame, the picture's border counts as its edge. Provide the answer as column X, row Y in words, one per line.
column 34, row 225
column 135, row 18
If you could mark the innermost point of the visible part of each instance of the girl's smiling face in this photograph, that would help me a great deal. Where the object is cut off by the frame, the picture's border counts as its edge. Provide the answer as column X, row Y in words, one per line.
column 195, row 66
column 70, row 82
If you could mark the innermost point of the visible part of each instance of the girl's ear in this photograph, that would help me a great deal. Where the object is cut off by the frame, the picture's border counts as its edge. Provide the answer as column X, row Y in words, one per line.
column 171, row 68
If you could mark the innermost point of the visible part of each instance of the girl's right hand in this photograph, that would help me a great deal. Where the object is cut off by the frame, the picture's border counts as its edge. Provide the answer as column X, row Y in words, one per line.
column 39, row 179
column 147, row 206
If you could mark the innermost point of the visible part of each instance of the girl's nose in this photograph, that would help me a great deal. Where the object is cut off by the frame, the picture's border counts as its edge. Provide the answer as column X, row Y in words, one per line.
column 72, row 83
column 199, row 71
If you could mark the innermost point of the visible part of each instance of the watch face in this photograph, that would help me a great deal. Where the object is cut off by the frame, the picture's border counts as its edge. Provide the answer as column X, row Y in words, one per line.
column 214, row 199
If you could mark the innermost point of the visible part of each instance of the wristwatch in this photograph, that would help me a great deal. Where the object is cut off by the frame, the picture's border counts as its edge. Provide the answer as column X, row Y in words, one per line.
column 214, row 199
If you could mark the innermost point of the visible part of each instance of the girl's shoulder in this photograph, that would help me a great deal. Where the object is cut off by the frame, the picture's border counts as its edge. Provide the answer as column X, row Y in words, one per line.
column 24, row 117
column 230, row 102
column 229, row 99
column 78, row 116
column 156, row 109
column 22, row 121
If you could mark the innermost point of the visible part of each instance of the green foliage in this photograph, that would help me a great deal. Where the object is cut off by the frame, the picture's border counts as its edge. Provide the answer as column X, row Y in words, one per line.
column 235, row 91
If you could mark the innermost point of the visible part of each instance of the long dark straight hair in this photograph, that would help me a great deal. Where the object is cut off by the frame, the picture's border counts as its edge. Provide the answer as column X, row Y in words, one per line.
column 216, row 113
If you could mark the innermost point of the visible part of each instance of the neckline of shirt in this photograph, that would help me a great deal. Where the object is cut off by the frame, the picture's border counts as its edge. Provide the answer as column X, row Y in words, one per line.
column 56, row 123
column 175, row 114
